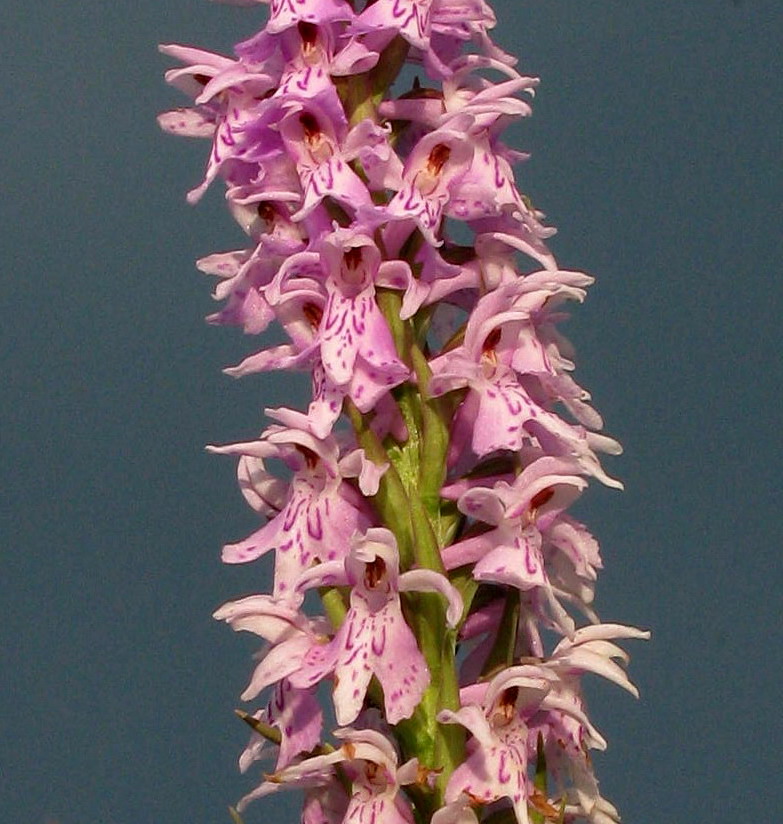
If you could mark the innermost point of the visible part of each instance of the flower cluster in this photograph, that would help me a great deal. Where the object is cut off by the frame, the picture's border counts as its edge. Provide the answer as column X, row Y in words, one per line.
column 426, row 487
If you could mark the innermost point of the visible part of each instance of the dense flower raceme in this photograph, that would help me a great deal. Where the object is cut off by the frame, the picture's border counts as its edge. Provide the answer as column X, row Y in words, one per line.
column 424, row 492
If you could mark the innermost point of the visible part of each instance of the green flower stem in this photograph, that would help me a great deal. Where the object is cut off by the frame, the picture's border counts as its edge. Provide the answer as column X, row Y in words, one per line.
column 502, row 653
column 420, row 464
column 408, row 499
column 403, row 513
column 362, row 93
column 390, row 303
column 450, row 740
column 433, row 446
column 391, row 502
column 463, row 581
column 334, row 605
column 539, row 779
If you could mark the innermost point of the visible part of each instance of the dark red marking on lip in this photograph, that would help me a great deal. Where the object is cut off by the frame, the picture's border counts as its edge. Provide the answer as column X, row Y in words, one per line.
column 540, row 498
column 313, row 314
column 437, row 158
column 374, row 572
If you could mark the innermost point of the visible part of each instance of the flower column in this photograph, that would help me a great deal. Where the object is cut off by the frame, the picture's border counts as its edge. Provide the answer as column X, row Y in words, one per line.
column 430, row 476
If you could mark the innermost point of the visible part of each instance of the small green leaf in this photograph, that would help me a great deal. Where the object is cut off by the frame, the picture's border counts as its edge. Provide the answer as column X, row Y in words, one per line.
column 540, row 779
column 463, row 581
column 264, row 730
column 334, row 602
column 502, row 653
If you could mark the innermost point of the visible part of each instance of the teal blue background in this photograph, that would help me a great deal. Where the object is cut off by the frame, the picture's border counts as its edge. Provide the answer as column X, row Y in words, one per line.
column 656, row 146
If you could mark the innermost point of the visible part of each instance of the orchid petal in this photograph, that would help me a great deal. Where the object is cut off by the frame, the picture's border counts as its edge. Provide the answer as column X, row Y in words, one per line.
column 425, row 580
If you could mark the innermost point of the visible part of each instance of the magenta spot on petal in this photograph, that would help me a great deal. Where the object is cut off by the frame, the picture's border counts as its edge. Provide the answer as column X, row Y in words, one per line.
column 504, row 776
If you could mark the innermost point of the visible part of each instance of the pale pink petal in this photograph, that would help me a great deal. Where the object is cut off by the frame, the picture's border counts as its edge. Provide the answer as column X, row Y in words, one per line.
column 187, row 123
column 425, row 580
column 254, row 546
